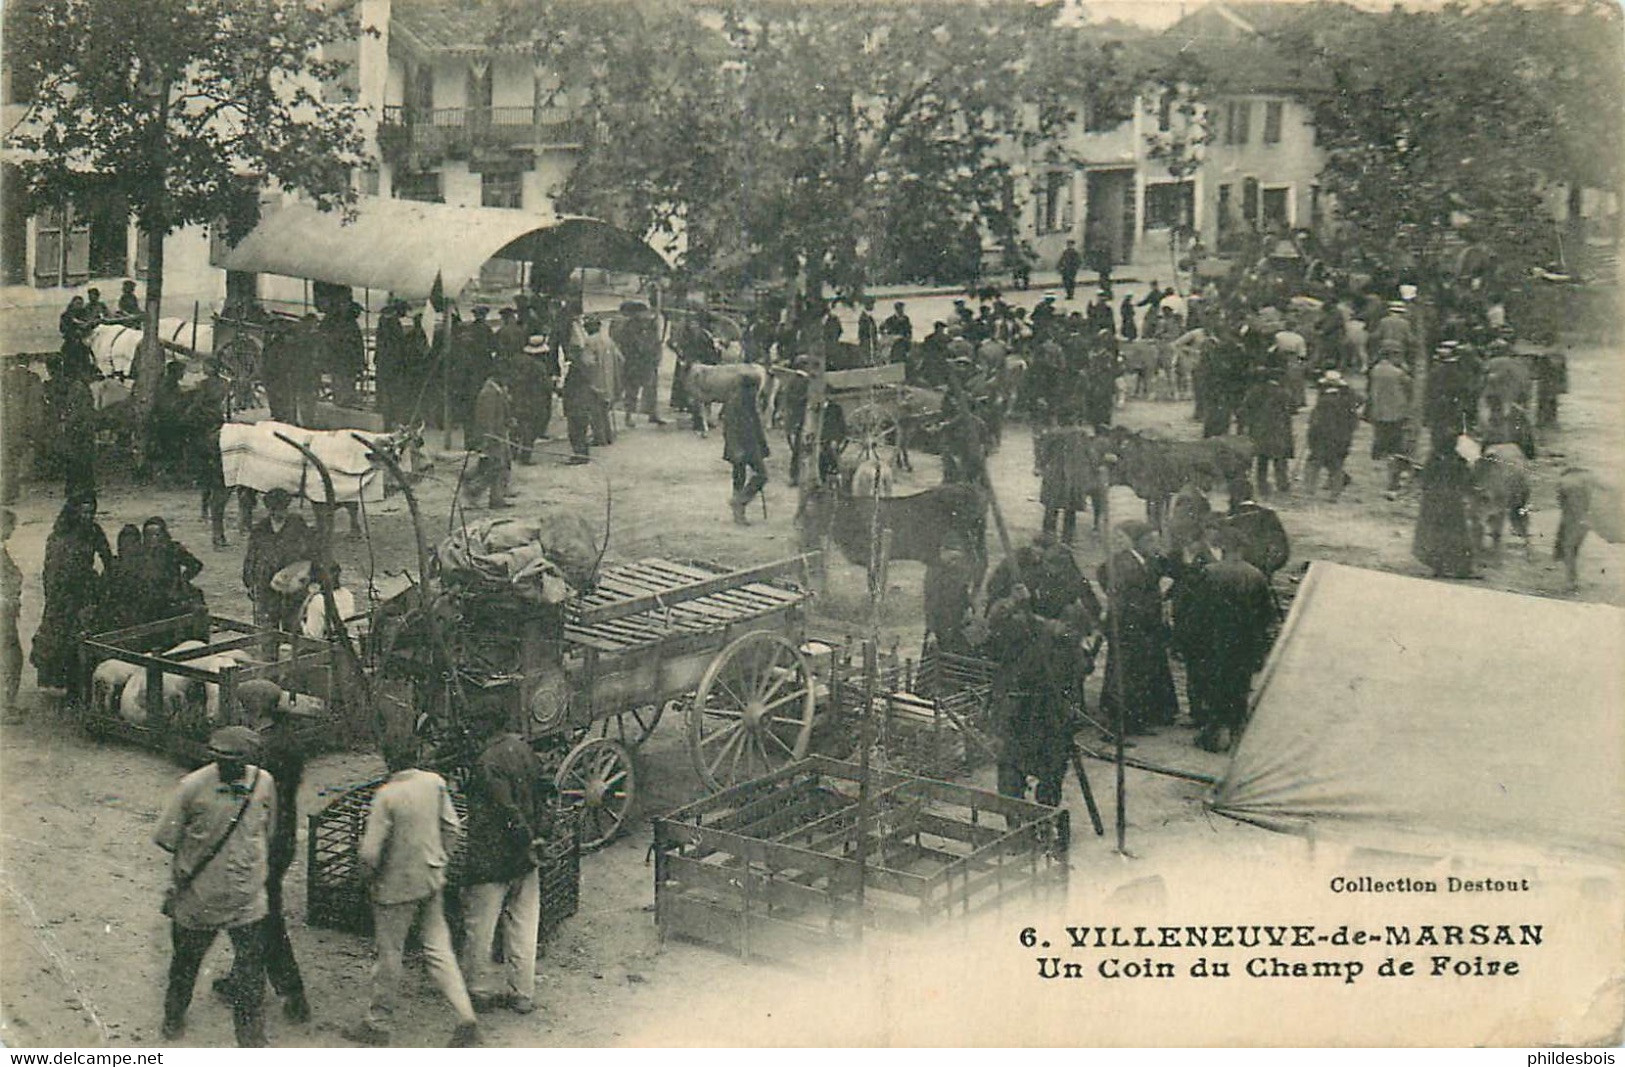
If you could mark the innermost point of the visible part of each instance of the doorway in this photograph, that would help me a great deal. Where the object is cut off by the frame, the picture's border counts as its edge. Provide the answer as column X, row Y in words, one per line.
column 1109, row 215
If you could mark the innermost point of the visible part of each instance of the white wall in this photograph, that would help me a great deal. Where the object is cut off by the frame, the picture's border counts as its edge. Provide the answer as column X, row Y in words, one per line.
column 459, row 185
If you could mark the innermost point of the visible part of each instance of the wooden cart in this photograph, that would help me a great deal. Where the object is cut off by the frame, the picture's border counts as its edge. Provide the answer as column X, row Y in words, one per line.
column 301, row 666
column 726, row 645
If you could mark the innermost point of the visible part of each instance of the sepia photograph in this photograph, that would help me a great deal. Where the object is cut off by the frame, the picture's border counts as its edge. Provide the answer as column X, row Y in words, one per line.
column 812, row 523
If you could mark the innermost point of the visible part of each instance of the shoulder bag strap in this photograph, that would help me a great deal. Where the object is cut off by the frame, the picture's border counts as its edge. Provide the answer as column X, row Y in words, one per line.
column 183, row 883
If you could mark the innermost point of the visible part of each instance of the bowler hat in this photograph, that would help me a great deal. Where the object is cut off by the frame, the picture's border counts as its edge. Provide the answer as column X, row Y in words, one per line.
column 536, row 346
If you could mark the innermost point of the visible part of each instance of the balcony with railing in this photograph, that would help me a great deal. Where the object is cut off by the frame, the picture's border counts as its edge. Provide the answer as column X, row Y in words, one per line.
column 427, row 135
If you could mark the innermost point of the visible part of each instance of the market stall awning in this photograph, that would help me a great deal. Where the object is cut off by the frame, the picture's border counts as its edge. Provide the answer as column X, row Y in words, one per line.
column 399, row 246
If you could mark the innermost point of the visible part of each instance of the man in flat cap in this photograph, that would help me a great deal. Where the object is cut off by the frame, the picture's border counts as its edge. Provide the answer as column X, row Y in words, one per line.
column 218, row 827
column 282, row 754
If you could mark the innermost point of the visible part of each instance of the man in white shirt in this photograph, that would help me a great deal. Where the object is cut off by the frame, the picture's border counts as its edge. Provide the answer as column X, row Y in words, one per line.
column 218, row 827
column 412, row 829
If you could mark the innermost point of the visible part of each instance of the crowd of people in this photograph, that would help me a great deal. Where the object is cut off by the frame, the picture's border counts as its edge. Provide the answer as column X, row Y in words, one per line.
column 1257, row 354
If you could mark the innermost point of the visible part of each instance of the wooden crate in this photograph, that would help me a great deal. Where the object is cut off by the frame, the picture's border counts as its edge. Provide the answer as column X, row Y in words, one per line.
column 336, row 896
column 769, row 868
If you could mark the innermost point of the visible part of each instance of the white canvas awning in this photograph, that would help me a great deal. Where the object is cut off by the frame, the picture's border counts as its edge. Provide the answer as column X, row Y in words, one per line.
column 399, row 246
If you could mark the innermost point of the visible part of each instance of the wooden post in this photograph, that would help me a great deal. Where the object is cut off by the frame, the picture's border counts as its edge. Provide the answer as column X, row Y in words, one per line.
column 194, row 328
column 812, row 443
column 1114, row 632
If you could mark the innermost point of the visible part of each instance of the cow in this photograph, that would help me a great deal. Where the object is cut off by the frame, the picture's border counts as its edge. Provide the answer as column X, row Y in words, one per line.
column 1585, row 503
column 922, row 525
column 867, row 474
column 1156, row 469
column 1501, row 477
column 709, row 383
column 1068, row 461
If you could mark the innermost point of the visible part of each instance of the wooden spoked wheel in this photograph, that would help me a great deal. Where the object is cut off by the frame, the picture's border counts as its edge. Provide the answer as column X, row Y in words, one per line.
column 633, row 726
column 240, row 360
column 598, row 780
column 753, row 710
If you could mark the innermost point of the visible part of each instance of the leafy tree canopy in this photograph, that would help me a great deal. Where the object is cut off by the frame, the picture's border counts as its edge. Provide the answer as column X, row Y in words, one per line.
column 1452, row 123
column 778, row 135
column 238, row 86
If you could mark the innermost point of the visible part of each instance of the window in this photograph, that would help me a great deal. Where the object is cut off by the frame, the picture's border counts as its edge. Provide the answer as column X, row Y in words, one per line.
column 1055, row 202
column 502, row 189
column 1165, row 112
column 1225, row 208
column 1238, row 116
column 1099, row 119
column 1276, row 210
column 420, row 91
column 1249, row 202
column 1272, row 121
column 13, row 228
column 424, row 186
column 1169, row 204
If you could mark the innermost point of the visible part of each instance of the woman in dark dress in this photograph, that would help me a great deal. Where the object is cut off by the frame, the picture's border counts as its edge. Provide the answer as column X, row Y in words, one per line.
column 167, row 570
column 1138, row 684
column 1444, row 538
column 126, row 579
column 72, row 592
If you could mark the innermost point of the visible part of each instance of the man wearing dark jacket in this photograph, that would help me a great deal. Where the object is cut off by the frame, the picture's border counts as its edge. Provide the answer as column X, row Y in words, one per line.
column 1037, row 689
column 1068, row 266
column 1267, row 418
column 1331, row 433
column 509, row 799
column 275, row 541
column 1224, row 612
column 1138, row 687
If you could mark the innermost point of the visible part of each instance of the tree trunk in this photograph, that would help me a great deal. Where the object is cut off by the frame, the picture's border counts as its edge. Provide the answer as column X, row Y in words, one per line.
column 149, row 364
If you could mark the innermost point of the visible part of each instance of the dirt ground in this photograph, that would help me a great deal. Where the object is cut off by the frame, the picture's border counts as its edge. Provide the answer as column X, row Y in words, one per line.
column 84, row 947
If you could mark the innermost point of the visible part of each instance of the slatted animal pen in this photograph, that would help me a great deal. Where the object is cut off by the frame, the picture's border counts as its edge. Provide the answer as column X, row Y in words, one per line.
column 933, row 718
column 770, row 868
column 302, row 666
column 936, row 720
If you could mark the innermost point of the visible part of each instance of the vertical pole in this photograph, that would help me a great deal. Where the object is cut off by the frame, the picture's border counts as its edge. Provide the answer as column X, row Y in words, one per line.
column 444, row 363
column 1113, row 635
column 194, row 327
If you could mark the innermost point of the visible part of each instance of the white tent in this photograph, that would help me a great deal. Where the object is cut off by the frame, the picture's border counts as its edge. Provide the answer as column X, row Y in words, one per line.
column 1402, row 708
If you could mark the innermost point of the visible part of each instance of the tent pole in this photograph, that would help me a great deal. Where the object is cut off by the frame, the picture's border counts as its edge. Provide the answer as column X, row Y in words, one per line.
column 1113, row 636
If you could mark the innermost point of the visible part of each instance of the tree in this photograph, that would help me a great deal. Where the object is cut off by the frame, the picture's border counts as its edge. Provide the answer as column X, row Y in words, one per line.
column 1179, row 140
column 1440, row 126
column 781, row 136
column 171, row 101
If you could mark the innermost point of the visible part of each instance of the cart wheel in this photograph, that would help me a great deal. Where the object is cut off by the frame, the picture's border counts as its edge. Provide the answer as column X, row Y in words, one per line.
column 240, row 358
column 753, row 711
column 633, row 726
column 598, row 779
